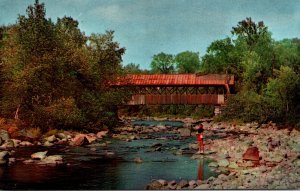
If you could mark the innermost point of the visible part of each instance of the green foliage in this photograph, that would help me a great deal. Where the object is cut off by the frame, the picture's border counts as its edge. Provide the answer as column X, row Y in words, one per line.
column 56, row 77
column 247, row 106
column 134, row 69
column 163, row 63
column 266, row 73
column 283, row 92
column 187, row 62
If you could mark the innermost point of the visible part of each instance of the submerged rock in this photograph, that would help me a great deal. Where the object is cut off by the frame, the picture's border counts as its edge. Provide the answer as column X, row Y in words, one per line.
column 138, row 160
column 53, row 159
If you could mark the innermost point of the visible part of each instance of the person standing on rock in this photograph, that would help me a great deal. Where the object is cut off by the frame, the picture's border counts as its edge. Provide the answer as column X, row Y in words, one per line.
column 200, row 138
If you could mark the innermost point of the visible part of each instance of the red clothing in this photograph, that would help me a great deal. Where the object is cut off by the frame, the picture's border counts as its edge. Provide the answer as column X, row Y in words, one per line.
column 200, row 137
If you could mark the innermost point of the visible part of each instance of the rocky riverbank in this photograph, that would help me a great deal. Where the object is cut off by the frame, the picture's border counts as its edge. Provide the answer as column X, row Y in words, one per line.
column 9, row 142
column 247, row 157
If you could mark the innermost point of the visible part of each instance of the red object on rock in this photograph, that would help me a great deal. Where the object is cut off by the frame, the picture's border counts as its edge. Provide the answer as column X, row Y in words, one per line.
column 252, row 153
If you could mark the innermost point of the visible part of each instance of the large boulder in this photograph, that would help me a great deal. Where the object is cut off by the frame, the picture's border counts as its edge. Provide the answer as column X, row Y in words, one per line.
column 184, row 132
column 252, row 153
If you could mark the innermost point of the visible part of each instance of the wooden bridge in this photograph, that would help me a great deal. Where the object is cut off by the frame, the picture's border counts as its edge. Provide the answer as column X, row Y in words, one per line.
column 160, row 89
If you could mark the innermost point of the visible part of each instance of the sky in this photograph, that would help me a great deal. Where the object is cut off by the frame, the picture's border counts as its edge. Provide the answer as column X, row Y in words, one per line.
column 148, row 27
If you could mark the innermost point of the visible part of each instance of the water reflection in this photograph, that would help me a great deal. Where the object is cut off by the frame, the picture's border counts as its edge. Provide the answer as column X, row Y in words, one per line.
column 201, row 169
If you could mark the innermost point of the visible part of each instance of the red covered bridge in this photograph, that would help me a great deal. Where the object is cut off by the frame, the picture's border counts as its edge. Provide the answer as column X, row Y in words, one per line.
column 159, row 89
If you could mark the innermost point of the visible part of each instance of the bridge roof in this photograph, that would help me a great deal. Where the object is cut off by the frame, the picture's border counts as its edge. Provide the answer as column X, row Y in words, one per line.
column 175, row 80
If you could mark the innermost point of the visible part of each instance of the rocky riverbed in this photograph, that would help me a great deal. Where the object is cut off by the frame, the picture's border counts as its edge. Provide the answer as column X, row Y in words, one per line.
column 245, row 156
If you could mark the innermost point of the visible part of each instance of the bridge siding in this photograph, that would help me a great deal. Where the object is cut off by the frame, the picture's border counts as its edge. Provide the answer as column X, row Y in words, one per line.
column 192, row 99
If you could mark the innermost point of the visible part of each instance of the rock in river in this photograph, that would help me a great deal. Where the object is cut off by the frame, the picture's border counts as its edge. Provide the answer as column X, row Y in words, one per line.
column 8, row 144
column 202, row 186
column 213, row 164
column 154, row 185
column 39, row 155
column 101, row 134
column 223, row 163
column 26, row 143
column 51, row 138
column 53, row 159
column 4, row 155
column 138, row 160
column 184, row 132
column 79, row 140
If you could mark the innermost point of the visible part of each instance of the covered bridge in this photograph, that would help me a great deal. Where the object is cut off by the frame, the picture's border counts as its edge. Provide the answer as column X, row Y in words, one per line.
column 159, row 89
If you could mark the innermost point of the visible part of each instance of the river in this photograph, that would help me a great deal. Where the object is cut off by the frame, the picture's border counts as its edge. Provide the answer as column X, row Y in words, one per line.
column 90, row 169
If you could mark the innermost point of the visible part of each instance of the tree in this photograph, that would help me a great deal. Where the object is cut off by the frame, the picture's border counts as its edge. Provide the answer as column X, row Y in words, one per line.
column 187, row 62
column 132, row 69
column 163, row 63
column 250, row 31
column 282, row 92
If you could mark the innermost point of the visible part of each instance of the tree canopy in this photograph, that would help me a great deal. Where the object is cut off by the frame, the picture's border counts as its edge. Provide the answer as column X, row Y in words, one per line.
column 56, row 76
column 163, row 63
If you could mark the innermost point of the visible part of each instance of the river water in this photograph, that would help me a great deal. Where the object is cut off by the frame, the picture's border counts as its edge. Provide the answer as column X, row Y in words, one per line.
column 88, row 169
